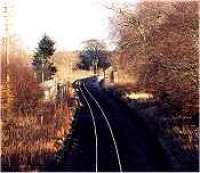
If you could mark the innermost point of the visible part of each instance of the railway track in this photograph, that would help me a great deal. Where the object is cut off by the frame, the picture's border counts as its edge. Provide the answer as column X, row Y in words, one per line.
column 107, row 156
column 108, row 137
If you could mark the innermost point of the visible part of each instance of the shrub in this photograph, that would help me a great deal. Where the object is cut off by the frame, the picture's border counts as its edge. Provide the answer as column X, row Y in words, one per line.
column 159, row 48
column 25, row 90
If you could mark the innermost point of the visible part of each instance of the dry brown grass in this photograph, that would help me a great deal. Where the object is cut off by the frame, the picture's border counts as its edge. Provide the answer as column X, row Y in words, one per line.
column 188, row 136
column 29, row 140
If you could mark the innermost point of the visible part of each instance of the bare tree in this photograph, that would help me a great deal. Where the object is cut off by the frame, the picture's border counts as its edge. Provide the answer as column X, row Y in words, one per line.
column 158, row 44
column 94, row 54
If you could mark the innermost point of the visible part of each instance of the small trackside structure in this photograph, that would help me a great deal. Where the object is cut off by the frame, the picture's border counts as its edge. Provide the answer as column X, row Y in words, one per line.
column 54, row 90
column 50, row 89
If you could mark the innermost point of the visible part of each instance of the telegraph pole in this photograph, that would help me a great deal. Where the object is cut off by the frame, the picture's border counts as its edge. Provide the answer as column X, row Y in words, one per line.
column 6, row 45
column 5, row 59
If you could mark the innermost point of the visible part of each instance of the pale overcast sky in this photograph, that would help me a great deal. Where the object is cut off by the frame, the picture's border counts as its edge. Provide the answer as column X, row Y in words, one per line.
column 68, row 22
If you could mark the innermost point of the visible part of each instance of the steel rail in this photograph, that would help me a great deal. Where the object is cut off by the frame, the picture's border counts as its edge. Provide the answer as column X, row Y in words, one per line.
column 95, row 129
column 109, row 126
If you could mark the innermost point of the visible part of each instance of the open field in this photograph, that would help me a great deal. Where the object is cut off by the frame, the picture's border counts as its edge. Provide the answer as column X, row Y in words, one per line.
column 66, row 62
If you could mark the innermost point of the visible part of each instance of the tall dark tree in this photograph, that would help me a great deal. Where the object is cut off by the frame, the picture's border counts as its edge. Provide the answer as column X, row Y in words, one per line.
column 94, row 55
column 42, row 64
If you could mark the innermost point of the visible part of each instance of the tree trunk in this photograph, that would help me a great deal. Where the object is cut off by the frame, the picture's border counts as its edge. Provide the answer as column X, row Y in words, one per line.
column 42, row 72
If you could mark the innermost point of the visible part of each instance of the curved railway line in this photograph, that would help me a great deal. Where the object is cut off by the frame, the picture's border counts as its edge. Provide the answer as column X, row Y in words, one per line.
column 93, row 105
column 108, row 137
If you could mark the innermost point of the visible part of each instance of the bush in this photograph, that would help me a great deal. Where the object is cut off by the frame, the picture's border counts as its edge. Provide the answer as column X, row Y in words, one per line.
column 172, row 67
column 159, row 48
column 25, row 90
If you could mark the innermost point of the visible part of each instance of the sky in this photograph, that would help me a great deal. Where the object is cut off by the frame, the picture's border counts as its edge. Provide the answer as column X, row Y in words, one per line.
column 68, row 22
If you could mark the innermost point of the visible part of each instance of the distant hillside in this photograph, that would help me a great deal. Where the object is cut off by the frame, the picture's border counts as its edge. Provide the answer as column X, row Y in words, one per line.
column 65, row 62
column 64, row 58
